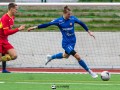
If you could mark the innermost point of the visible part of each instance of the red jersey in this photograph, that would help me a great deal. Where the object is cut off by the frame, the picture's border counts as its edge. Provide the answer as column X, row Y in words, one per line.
column 6, row 24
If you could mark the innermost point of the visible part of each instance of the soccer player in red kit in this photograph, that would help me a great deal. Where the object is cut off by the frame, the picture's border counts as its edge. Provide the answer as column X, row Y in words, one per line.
column 6, row 24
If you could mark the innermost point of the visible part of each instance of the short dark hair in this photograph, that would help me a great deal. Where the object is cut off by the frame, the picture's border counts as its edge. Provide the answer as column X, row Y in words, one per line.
column 66, row 9
column 11, row 5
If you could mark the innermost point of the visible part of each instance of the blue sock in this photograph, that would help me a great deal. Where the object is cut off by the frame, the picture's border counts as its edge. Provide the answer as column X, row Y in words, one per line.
column 83, row 64
column 57, row 56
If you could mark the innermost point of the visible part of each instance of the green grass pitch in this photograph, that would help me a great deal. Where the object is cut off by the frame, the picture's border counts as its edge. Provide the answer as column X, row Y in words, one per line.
column 39, row 81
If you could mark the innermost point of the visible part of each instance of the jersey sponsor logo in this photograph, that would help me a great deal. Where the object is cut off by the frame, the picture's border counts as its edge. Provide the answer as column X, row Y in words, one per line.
column 67, row 29
column 68, row 34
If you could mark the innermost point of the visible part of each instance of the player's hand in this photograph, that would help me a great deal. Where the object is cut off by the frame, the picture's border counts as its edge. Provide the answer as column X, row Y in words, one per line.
column 32, row 28
column 91, row 34
column 22, row 27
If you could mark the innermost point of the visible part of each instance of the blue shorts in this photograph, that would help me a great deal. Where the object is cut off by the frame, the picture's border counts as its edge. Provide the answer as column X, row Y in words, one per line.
column 68, row 48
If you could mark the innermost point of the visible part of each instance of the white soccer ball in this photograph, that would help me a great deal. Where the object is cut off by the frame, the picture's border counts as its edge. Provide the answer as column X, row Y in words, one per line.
column 53, row 86
column 105, row 75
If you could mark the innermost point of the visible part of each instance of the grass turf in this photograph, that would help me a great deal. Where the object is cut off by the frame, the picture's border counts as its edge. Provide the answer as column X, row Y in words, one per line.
column 30, row 81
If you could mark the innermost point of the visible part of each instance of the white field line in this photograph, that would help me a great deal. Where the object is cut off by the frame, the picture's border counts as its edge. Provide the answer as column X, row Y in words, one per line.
column 61, row 72
column 99, row 84
column 2, row 82
column 92, row 84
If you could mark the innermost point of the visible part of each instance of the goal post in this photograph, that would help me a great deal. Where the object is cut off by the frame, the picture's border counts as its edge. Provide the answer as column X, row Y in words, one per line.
column 32, row 47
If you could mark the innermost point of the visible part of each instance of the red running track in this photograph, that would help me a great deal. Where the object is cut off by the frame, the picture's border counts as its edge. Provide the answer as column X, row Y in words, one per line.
column 59, row 70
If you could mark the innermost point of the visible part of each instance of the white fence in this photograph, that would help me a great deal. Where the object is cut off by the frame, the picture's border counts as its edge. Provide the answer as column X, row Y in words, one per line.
column 32, row 48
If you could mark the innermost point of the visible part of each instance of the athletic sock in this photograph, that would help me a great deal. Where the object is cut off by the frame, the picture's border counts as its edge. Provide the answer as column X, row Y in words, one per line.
column 4, row 65
column 57, row 56
column 83, row 64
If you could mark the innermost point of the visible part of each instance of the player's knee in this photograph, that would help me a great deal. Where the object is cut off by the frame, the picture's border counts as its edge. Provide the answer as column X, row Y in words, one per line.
column 77, row 57
column 65, row 56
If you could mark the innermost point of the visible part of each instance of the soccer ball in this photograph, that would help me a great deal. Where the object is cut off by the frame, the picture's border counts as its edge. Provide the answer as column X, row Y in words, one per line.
column 105, row 75
column 53, row 87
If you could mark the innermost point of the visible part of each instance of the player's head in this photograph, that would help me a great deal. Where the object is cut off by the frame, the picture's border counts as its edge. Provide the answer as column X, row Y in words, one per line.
column 66, row 12
column 12, row 7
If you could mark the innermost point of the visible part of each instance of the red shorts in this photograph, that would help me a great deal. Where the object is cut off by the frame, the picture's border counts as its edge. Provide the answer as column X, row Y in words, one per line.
column 5, row 46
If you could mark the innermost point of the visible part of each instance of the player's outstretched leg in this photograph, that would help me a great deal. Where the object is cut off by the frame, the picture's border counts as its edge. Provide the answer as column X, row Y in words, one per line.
column 84, row 65
column 51, row 57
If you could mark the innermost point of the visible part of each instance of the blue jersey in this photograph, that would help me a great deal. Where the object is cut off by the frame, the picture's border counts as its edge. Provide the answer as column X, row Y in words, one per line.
column 67, row 29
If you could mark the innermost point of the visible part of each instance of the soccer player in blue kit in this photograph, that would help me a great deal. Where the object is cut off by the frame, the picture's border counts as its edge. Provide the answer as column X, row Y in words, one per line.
column 66, row 26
